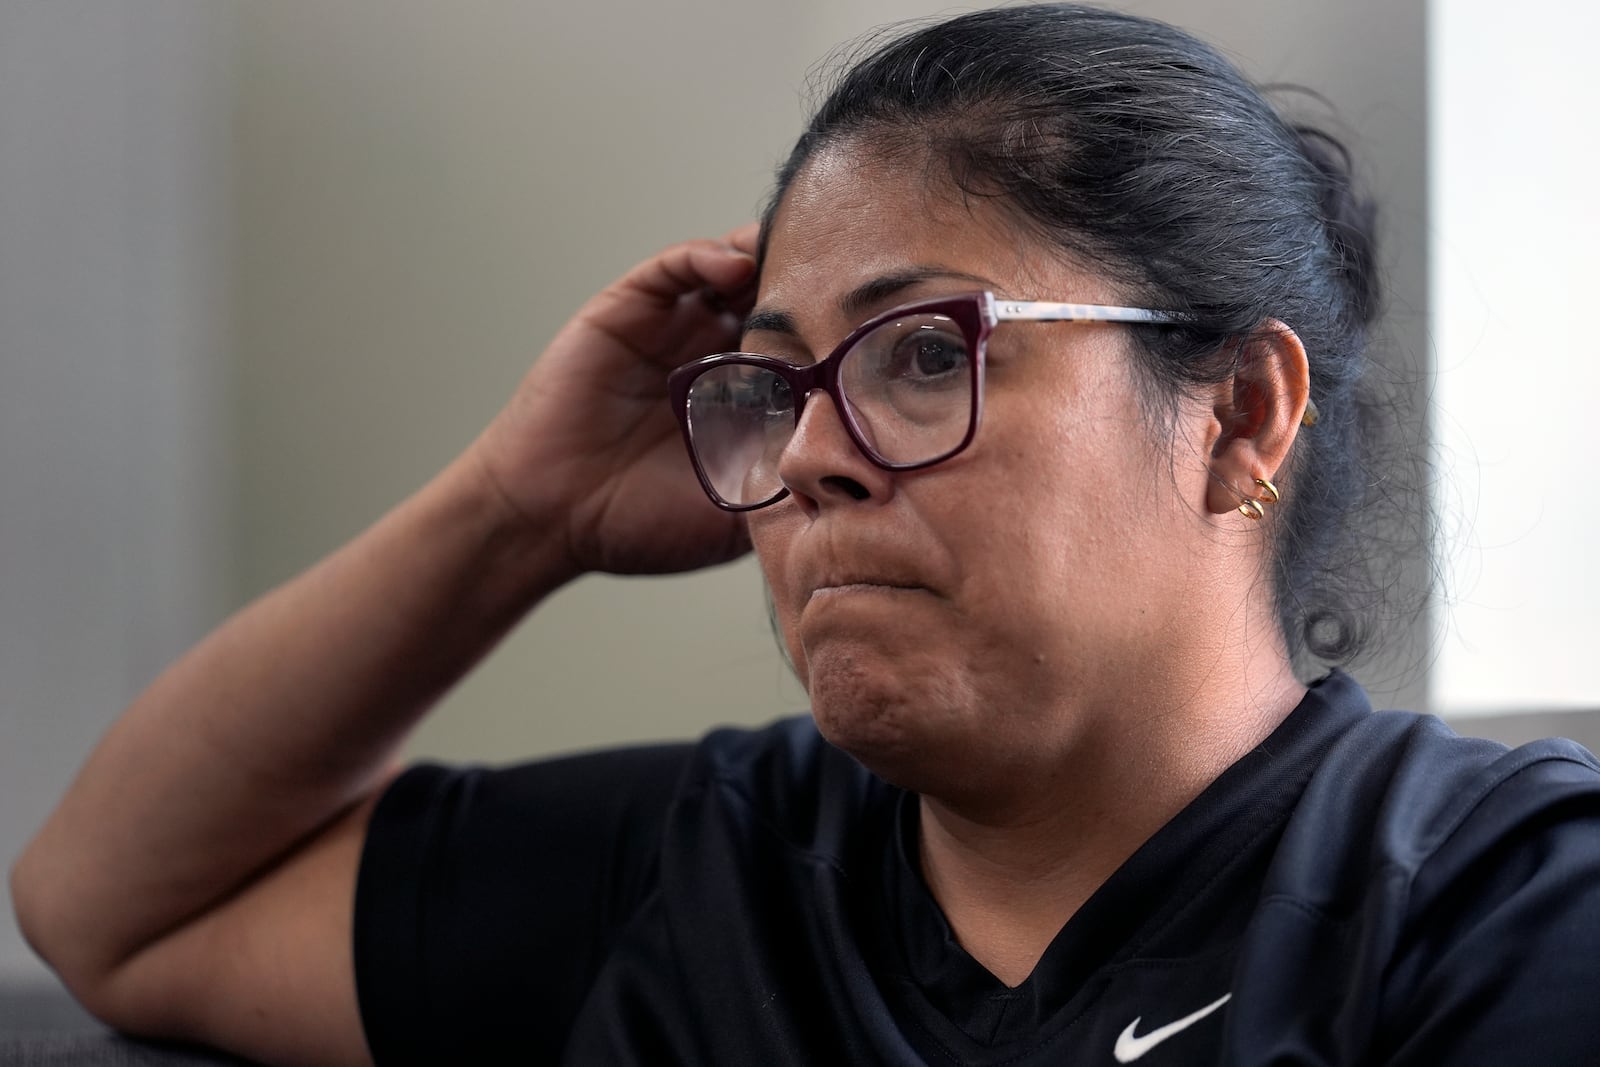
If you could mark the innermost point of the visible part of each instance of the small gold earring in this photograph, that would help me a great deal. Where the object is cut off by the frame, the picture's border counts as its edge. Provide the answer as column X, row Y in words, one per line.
column 1252, row 511
column 1273, row 496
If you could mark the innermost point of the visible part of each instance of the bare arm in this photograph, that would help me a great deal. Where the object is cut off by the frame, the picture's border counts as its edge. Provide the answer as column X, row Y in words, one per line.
column 238, row 755
column 197, row 879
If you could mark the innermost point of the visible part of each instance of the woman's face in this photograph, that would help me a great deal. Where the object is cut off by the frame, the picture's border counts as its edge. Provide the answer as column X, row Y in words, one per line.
column 1001, row 610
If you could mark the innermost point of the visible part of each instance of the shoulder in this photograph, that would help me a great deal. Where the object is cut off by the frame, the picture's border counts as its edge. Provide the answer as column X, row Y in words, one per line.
column 1404, row 796
column 783, row 781
column 470, row 873
column 1419, row 789
column 773, row 760
column 1462, row 826
column 1454, row 882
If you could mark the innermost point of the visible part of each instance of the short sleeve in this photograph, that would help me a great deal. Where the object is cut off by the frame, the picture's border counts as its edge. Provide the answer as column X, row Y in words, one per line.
column 1502, row 962
column 487, row 899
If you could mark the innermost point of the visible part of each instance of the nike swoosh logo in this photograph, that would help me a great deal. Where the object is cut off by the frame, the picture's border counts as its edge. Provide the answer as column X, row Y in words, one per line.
column 1130, row 1048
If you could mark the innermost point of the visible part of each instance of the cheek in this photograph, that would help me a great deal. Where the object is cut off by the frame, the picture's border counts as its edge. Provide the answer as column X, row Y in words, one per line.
column 1026, row 573
column 772, row 532
column 1032, row 491
column 1052, row 510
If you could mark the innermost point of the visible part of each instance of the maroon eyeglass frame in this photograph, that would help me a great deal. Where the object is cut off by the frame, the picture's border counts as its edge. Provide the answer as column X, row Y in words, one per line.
column 977, row 314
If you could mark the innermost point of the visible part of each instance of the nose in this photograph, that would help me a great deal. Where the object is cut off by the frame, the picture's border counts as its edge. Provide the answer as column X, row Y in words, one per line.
column 821, row 463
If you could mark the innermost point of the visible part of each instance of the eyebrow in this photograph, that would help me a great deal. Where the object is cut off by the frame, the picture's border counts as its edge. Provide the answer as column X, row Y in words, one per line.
column 858, row 300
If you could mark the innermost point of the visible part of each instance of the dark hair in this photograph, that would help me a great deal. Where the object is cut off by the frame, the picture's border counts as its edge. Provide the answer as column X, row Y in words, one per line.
column 1129, row 142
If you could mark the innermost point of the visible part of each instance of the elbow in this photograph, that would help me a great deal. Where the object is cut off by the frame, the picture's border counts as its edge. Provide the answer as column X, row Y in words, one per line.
column 30, row 902
column 62, row 939
column 105, row 973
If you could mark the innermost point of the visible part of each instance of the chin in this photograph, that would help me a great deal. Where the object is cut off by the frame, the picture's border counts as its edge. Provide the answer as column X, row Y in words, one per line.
column 905, row 725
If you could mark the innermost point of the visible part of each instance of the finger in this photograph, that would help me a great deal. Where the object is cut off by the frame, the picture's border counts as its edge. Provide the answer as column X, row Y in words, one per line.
column 745, row 238
column 736, row 301
column 687, row 267
column 707, row 336
column 638, row 309
column 694, row 329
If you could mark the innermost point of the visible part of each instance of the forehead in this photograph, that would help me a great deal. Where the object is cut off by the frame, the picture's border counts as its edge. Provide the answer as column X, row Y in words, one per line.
column 852, row 216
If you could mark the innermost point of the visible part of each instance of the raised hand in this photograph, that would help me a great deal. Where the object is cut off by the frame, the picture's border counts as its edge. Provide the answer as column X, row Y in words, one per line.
column 588, row 440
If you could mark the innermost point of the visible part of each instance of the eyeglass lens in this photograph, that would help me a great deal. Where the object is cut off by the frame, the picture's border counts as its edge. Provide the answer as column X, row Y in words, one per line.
column 907, row 389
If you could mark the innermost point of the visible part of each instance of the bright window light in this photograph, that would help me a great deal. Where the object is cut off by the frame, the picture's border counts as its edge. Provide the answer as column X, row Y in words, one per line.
column 1515, row 261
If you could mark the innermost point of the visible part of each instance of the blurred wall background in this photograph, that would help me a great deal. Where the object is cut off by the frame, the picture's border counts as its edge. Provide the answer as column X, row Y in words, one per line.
column 117, row 358
column 265, row 267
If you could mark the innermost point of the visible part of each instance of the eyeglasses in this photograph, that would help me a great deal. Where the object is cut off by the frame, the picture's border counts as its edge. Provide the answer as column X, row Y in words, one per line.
column 908, row 385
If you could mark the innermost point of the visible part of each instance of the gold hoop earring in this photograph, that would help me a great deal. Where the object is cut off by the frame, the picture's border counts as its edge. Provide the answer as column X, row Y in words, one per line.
column 1252, row 510
column 1273, row 496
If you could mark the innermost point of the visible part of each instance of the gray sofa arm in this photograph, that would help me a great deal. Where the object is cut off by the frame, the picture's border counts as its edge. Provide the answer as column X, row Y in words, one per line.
column 42, row 1026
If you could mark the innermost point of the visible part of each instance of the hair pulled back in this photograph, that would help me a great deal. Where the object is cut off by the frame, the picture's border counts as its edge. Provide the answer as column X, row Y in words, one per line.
column 1130, row 142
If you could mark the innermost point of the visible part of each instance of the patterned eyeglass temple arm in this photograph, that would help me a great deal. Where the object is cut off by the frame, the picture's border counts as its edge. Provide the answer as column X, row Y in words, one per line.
column 1049, row 311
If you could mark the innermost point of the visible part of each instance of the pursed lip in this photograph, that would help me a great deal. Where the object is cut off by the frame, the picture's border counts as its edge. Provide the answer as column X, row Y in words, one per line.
column 865, row 580
column 832, row 562
column 866, row 586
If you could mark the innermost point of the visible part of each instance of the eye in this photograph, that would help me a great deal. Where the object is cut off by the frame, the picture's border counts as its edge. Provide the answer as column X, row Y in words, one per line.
column 779, row 397
column 928, row 354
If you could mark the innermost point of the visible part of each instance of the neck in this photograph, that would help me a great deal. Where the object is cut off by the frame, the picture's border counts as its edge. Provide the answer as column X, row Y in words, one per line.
column 1009, row 876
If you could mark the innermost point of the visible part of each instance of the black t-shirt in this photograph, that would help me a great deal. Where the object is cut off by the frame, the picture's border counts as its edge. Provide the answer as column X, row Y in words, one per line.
column 1362, row 888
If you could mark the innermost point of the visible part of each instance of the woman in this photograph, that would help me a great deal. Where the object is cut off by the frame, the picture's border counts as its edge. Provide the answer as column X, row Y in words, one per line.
column 1044, row 432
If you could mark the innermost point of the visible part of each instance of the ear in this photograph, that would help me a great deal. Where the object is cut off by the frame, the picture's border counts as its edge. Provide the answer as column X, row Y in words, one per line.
column 1258, row 415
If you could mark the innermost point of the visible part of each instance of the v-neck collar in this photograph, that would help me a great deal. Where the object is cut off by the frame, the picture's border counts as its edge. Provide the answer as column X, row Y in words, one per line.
column 954, row 1000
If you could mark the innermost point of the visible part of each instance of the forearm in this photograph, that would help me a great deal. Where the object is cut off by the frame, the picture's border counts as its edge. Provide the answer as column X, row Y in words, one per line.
column 285, row 716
